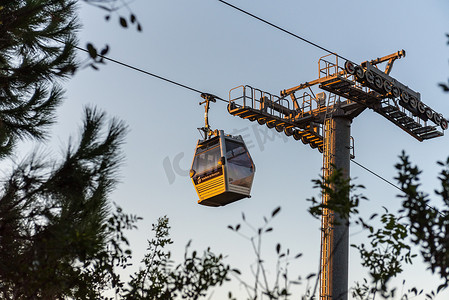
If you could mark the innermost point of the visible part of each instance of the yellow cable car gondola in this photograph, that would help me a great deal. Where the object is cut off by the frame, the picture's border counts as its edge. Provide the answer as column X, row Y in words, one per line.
column 222, row 169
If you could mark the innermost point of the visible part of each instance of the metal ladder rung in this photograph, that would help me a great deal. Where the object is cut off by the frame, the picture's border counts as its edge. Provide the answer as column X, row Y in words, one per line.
column 389, row 108
column 431, row 135
column 397, row 114
column 423, row 130
column 406, row 120
column 412, row 125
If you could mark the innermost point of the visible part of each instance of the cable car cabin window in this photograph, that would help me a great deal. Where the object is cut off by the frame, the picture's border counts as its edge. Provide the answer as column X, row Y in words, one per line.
column 239, row 164
column 206, row 159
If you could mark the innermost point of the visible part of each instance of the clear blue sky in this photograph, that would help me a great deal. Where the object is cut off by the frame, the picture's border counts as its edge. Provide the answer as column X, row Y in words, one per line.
column 213, row 48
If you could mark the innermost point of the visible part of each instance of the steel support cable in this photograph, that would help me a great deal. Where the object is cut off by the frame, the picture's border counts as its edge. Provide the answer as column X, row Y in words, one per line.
column 282, row 29
column 377, row 175
column 392, row 184
column 143, row 71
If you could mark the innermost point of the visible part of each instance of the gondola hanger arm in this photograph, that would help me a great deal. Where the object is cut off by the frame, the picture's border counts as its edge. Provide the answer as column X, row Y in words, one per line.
column 206, row 129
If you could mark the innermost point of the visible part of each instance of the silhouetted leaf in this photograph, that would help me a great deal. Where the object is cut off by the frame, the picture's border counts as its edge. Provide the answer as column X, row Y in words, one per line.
column 92, row 51
column 310, row 276
column 276, row 211
column 123, row 22
column 278, row 248
column 269, row 229
column 105, row 50
column 444, row 87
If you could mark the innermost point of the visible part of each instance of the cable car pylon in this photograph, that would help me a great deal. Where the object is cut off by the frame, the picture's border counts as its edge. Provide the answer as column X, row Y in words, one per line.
column 323, row 121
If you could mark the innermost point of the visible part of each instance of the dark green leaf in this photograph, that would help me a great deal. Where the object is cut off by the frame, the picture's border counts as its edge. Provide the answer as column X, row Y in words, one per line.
column 310, row 276
column 237, row 271
column 276, row 211
column 123, row 22
column 105, row 50
column 444, row 87
column 92, row 51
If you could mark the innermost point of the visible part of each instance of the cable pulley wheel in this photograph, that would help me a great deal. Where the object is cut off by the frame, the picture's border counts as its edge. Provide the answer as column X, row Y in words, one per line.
column 280, row 128
column 429, row 113
column 297, row 135
column 413, row 102
column 288, row 131
column 395, row 92
column 444, row 124
column 421, row 107
column 387, row 87
column 359, row 73
column 405, row 97
column 304, row 140
column 378, row 82
column 369, row 77
column 350, row 67
column 437, row 119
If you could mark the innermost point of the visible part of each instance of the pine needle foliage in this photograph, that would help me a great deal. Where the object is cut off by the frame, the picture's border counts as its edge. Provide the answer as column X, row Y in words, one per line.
column 58, row 238
column 32, row 64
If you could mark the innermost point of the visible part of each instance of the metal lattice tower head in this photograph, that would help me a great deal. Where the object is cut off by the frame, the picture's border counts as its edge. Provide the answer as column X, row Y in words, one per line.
column 303, row 114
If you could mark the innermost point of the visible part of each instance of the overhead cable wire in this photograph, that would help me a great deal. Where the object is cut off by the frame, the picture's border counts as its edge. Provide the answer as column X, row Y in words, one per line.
column 377, row 175
column 144, row 72
column 392, row 184
column 281, row 29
